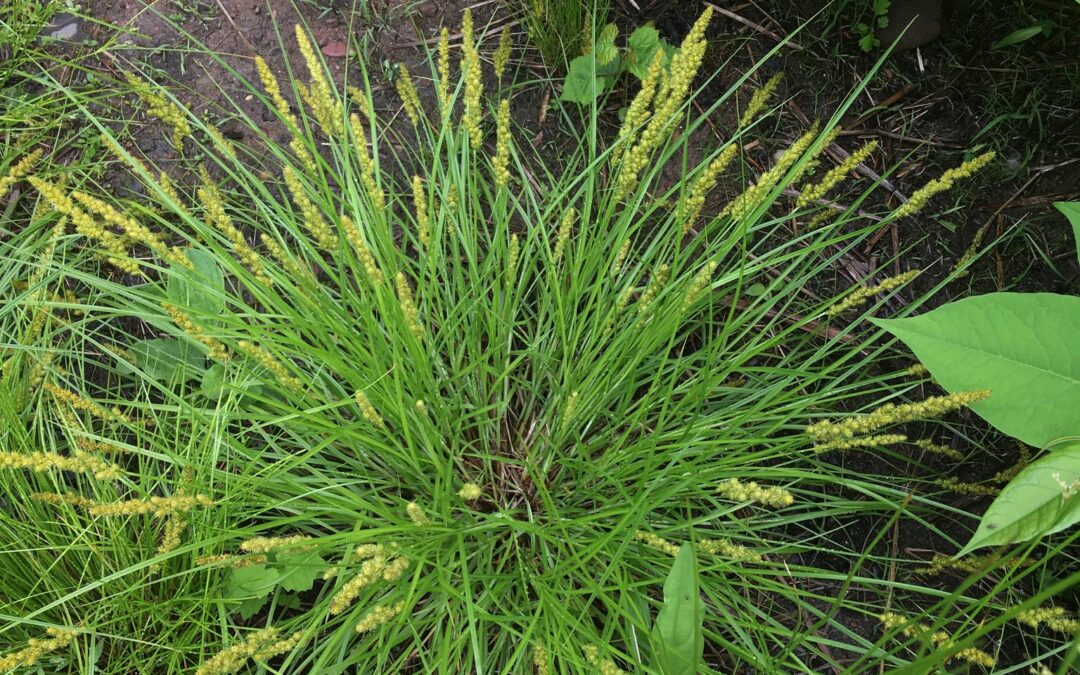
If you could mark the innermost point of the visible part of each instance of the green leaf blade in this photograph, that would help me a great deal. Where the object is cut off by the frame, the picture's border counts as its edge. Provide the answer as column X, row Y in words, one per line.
column 1037, row 502
column 201, row 289
column 1071, row 210
column 299, row 570
column 582, row 84
column 1022, row 347
column 678, row 640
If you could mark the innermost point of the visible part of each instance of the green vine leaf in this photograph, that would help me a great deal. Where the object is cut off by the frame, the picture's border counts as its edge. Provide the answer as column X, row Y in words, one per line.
column 1020, row 346
column 299, row 570
column 605, row 48
column 581, row 85
column 1042, row 499
column 677, row 637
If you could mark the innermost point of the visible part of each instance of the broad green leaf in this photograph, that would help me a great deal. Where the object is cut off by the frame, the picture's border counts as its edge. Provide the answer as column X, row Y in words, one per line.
column 1072, row 212
column 250, row 607
column 166, row 359
column 299, row 570
column 605, row 48
column 1023, row 347
column 1042, row 499
column 677, row 637
column 581, row 85
column 214, row 384
column 641, row 47
column 201, row 289
column 253, row 581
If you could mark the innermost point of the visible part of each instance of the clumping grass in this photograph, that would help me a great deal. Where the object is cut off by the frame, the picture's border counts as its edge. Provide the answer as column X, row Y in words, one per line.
column 430, row 404
column 562, row 29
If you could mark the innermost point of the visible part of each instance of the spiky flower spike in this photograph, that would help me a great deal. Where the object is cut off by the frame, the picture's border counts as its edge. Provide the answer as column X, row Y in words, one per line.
column 746, row 203
column 827, row 431
column 370, row 572
column 502, row 54
column 214, row 205
column 18, row 171
column 408, row 306
column 444, row 72
column 759, row 100
column 164, row 110
column 406, row 90
column 604, row 666
column 379, row 616
column 673, row 92
column 474, row 86
column 738, row 491
column 638, row 111
column 367, row 165
column 363, row 253
column 43, row 461
column 423, row 223
column 314, row 223
column 29, row 656
column 112, row 246
column 861, row 295
column 919, row 200
column 324, row 105
column 260, row 645
column 501, row 161
column 695, row 200
column 813, row 192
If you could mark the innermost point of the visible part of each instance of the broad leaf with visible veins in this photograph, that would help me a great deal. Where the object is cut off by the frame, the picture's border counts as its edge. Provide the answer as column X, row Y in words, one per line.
column 1023, row 347
column 1042, row 499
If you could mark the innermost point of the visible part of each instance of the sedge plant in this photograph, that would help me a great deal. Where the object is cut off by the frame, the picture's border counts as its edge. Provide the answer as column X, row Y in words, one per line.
column 440, row 406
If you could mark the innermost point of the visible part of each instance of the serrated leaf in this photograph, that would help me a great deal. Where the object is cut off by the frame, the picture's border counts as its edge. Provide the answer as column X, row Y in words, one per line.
column 641, row 47
column 299, row 570
column 582, row 84
column 605, row 49
column 1071, row 210
column 677, row 637
column 201, row 290
column 1042, row 499
column 1020, row 346
column 167, row 359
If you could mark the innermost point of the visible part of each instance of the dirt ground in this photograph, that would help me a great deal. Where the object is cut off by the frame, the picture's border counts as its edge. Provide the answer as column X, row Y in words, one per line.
column 926, row 108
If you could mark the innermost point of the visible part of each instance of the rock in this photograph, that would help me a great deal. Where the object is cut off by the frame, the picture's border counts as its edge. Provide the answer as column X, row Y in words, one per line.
column 925, row 18
column 65, row 28
column 335, row 49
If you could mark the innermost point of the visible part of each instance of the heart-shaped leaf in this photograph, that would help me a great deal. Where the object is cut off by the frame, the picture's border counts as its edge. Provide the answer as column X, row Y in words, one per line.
column 1023, row 347
column 677, row 637
column 1042, row 499
column 299, row 570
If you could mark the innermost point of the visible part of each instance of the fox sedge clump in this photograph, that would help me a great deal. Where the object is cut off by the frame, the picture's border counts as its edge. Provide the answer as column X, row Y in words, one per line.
column 453, row 401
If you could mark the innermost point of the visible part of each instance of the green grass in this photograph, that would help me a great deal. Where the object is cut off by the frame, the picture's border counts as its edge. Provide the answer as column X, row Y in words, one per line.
column 560, row 29
column 588, row 400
